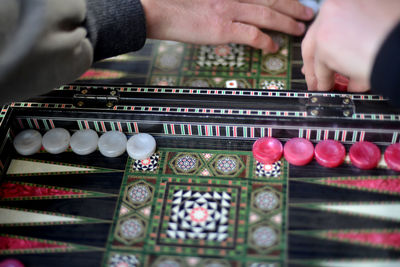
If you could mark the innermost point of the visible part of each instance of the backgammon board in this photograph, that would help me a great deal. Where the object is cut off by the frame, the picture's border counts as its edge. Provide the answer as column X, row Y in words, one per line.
column 166, row 63
column 201, row 199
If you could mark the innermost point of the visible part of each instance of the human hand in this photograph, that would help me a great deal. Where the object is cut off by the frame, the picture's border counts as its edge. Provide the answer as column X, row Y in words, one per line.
column 345, row 38
column 224, row 21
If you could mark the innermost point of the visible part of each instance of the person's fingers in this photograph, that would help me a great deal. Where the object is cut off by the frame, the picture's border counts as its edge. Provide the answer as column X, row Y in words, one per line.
column 308, row 51
column 252, row 36
column 325, row 76
column 356, row 86
column 267, row 18
column 292, row 8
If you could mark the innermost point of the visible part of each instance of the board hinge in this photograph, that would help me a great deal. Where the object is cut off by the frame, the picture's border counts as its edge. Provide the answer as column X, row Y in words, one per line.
column 96, row 98
column 328, row 106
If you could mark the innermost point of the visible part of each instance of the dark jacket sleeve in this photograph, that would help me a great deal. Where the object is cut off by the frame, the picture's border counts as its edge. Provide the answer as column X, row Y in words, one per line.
column 47, row 43
column 115, row 26
column 385, row 77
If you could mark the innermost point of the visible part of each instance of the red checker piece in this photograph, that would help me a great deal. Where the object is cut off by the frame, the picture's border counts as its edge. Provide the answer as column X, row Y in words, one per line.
column 267, row 150
column 11, row 263
column 330, row 153
column 365, row 155
column 298, row 151
column 341, row 83
column 392, row 157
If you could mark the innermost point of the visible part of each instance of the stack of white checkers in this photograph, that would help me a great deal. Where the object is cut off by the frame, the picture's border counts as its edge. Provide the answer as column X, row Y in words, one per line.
column 84, row 142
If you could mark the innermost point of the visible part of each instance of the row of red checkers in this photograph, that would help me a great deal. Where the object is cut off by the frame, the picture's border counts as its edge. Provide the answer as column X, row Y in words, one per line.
column 328, row 153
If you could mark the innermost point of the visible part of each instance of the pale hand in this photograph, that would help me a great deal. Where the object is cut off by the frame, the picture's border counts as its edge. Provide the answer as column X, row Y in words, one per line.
column 224, row 21
column 345, row 38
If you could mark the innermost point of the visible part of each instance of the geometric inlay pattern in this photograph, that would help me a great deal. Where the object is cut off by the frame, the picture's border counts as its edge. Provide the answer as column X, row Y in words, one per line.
column 214, row 263
column 186, row 163
column 167, row 61
column 268, row 170
column 138, row 194
column 130, row 230
column 207, row 206
column 263, row 237
column 166, row 261
column 228, row 56
column 163, row 80
column 121, row 260
column 169, row 57
column 274, row 64
column 263, row 264
column 266, row 200
column 272, row 85
column 227, row 165
column 199, row 215
column 149, row 164
column 206, row 164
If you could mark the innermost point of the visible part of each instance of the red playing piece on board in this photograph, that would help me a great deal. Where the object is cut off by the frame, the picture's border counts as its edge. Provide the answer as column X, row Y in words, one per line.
column 298, row 151
column 341, row 83
column 11, row 263
column 267, row 150
column 365, row 155
column 330, row 153
column 392, row 157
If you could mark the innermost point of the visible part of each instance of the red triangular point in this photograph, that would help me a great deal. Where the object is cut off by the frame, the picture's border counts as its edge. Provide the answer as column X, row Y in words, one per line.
column 24, row 243
column 374, row 238
column 9, row 190
column 389, row 185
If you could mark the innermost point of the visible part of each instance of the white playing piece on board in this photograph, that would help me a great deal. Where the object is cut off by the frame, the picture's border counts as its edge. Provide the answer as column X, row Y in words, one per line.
column 28, row 142
column 141, row 146
column 56, row 140
column 84, row 142
column 112, row 144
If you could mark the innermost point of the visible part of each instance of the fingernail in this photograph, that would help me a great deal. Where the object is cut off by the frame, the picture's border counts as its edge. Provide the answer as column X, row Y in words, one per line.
column 309, row 12
column 301, row 27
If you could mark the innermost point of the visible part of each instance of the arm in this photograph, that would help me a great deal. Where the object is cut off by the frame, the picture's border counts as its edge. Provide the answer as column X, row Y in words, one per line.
column 224, row 21
column 115, row 26
column 346, row 38
column 47, row 43
column 36, row 35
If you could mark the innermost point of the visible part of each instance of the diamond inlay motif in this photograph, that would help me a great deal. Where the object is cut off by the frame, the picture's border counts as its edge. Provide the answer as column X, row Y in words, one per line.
column 199, row 215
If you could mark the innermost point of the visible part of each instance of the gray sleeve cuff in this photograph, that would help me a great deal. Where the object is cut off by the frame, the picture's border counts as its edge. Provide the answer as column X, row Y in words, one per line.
column 115, row 26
